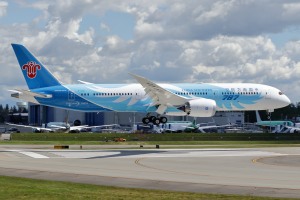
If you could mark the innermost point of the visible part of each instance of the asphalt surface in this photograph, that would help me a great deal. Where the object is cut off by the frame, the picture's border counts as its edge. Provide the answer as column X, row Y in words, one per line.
column 272, row 172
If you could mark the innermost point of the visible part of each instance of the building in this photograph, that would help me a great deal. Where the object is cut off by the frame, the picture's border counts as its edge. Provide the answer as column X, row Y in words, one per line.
column 39, row 115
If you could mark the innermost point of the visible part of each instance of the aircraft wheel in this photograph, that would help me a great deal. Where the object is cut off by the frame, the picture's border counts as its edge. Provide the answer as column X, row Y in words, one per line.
column 152, row 118
column 146, row 120
column 156, row 121
column 163, row 120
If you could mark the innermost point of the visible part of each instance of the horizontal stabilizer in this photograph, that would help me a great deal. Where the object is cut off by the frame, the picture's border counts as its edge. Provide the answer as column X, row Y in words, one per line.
column 27, row 95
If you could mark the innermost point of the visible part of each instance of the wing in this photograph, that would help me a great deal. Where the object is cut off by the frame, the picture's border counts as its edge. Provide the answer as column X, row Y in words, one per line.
column 160, row 96
column 33, row 127
column 27, row 95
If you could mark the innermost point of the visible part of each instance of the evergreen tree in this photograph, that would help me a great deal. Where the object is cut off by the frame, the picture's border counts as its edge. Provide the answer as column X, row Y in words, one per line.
column 6, row 112
column 1, row 114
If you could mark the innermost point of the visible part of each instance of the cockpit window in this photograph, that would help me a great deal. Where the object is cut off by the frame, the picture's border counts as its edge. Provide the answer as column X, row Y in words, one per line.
column 280, row 93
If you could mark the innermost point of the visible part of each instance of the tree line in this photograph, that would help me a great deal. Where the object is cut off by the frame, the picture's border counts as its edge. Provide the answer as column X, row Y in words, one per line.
column 7, row 112
column 290, row 112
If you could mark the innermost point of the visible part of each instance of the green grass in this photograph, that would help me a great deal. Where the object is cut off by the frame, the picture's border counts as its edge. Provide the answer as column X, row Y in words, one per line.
column 153, row 137
column 21, row 188
column 182, row 140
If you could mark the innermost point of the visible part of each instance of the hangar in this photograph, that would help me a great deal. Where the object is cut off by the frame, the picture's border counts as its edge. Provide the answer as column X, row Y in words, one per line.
column 39, row 114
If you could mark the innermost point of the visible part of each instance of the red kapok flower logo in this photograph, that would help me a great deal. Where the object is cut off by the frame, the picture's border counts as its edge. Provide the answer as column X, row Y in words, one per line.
column 31, row 68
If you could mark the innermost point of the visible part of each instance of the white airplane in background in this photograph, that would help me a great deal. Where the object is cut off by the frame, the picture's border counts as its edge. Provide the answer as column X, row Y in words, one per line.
column 196, row 100
column 188, row 126
column 53, row 127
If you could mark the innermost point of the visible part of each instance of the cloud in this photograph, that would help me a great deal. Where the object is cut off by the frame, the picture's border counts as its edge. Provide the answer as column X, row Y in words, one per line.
column 206, row 19
column 104, row 26
column 3, row 7
column 173, row 41
column 72, row 32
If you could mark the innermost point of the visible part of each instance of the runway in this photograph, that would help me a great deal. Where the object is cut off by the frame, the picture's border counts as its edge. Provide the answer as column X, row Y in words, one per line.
column 270, row 172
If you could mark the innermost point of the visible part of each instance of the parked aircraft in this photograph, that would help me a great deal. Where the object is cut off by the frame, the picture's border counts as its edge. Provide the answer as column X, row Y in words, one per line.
column 110, row 128
column 260, row 122
column 53, row 127
column 179, row 126
column 196, row 100
column 278, row 126
column 188, row 126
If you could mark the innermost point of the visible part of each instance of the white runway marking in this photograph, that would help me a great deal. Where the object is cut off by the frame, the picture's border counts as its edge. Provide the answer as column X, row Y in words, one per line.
column 30, row 154
column 33, row 155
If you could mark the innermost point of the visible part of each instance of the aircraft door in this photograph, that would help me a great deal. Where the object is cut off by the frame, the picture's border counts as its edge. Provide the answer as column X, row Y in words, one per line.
column 268, row 94
column 71, row 96
column 215, row 93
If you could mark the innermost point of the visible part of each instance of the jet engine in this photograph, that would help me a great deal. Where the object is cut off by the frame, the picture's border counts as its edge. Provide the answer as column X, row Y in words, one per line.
column 77, row 122
column 199, row 108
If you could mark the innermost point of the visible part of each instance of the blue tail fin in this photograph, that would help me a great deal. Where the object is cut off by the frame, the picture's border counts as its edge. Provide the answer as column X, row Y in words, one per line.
column 35, row 74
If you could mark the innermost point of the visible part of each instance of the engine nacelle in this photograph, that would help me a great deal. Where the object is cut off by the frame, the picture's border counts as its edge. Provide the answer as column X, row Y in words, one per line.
column 77, row 122
column 200, row 108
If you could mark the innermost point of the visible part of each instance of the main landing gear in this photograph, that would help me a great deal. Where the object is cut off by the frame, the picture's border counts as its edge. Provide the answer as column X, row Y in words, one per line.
column 154, row 120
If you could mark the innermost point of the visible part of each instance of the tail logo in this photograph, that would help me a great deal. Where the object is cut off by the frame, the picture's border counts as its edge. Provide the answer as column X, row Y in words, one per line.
column 31, row 68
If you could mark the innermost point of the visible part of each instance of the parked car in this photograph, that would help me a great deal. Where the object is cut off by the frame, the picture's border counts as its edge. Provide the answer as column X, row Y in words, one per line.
column 13, row 130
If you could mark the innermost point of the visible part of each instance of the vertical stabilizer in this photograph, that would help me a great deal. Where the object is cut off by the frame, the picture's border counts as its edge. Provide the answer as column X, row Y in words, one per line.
column 35, row 74
column 258, row 119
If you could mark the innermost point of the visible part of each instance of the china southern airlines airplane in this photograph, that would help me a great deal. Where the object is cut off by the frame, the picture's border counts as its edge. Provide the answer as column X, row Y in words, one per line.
column 196, row 100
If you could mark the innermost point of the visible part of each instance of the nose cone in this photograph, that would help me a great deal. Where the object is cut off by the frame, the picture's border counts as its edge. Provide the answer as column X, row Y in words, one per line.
column 283, row 101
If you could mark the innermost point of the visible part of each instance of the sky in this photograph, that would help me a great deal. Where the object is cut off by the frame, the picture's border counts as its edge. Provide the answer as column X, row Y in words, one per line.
column 163, row 40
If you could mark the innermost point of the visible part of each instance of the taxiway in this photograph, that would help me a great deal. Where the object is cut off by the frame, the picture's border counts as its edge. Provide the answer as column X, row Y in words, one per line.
column 270, row 172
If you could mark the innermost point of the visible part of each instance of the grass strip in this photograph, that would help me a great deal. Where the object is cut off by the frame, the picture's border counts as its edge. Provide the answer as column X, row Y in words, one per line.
column 22, row 188
column 154, row 137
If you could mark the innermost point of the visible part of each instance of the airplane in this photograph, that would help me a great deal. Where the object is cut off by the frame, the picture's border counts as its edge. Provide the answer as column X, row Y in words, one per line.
column 278, row 126
column 260, row 122
column 179, row 126
column 204, row 129
column 182, row 99
column 189, row 127
column 289, row 129
column 109, row 128
column 53, row 127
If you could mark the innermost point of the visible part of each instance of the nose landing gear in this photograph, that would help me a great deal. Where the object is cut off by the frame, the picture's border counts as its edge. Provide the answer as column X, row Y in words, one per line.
column 154, row 120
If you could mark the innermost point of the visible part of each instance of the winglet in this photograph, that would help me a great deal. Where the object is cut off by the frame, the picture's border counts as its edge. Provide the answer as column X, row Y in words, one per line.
column 84, row 82
column 140, row 79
